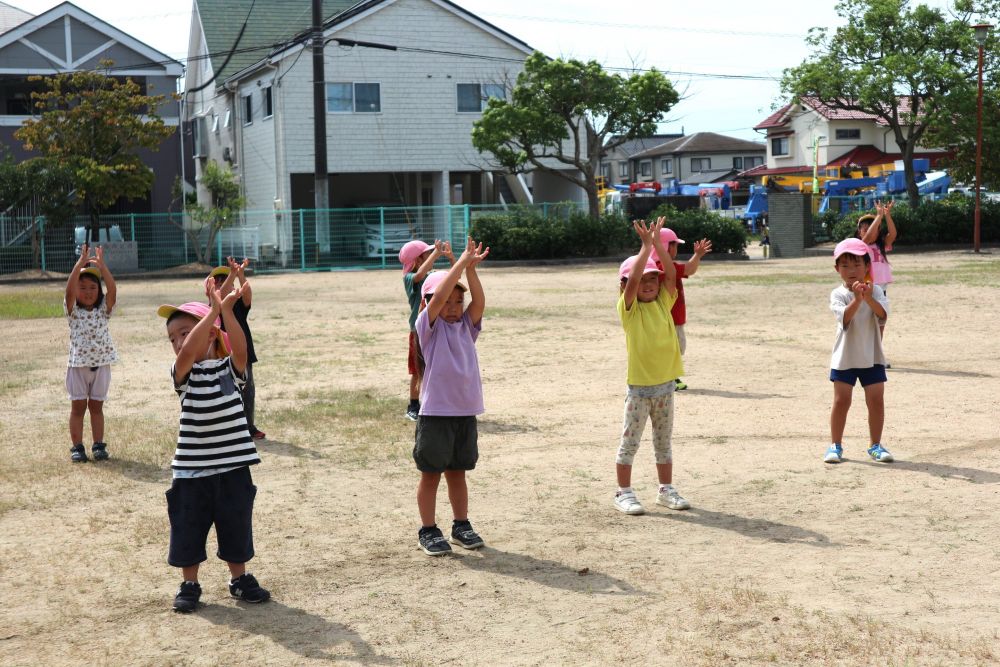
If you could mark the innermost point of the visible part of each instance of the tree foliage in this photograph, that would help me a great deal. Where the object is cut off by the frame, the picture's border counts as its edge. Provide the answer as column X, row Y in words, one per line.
column 907, row 65
column 92, row 125
column 562, row 113
column 224, row 211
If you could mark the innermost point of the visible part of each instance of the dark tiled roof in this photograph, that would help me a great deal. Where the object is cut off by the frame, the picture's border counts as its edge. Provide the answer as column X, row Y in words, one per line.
column 271, row 22
column 703, row 142
column 708, row 176
column 634, row 146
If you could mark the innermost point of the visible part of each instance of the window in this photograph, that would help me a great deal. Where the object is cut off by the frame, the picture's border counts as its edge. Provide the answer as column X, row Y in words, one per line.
column 738, row 163
column 701, row 164
column 623, row 169
column 248, row 108
column 472, row 97
column 228, row 118
column 268, row 102
column 646, row 169
column 356, row 97
column 199, row 136
column 606, row 171
column 750, row 162
column 848, row 134
column 215, row 123
column 780, row 146
column 667, row 166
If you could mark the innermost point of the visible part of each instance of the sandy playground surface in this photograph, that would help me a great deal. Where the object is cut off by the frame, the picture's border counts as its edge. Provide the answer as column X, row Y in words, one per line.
column 781, row 560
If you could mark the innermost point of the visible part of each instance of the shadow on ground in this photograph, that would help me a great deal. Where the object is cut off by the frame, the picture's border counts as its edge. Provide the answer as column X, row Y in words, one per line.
column 268, row 446
column 973, row 475
column 140, row 471
column 721, row 393
column 760, row 529
column 545, row 572
column 308, row 635
column 947, row 374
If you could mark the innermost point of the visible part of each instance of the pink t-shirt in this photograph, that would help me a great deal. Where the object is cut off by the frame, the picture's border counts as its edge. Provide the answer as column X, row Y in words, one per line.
column 451, row 386
column 881, row 270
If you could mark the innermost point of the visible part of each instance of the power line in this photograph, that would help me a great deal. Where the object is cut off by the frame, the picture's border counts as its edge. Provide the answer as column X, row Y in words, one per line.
column 647, row 26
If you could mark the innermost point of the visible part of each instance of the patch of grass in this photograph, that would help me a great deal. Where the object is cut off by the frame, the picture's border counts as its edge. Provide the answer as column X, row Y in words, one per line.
column 30, row 304
column 760, row 486
column 772, row 279
column 16, row 376
column 969, row 274
column 517, row 313
column 360, row 338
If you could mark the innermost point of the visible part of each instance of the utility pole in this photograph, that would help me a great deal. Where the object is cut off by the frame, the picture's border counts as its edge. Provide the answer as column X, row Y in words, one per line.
column 322, row 185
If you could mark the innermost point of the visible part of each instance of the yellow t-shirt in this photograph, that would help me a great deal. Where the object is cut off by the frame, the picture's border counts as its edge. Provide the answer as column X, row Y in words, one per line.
column 654, row 355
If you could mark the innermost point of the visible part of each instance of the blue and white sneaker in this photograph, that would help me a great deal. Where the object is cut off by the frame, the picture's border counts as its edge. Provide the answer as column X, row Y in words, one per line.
column 880, row 453
column 834, row 454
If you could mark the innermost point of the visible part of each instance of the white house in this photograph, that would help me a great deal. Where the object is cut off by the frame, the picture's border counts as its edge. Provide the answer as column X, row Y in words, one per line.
column 399, row 118
column 809, row 132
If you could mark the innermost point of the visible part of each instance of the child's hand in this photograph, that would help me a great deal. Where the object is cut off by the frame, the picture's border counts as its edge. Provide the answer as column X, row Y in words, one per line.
column 474, row 253
column 888, row 206
column 438, row 248
column 84, row 258
column 98, row 259
column 645, row 233
column 658, row 225
column 879, row 208
column 241, row 269
column 702, row 247
column 447, row 251
column 862, row 290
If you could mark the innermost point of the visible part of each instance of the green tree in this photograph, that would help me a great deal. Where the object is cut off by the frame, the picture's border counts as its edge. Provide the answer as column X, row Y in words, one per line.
column 44, row 189
column 898, row 62
column 93, row 125
column 563, row 114
column 958, row 135
column 208, row 221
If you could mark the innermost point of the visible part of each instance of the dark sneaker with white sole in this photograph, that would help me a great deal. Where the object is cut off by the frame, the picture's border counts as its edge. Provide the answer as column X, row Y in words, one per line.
column 246, row 588
column 100, row 451
column 187, row 597
column 78, row 454
column 433, row 542
column 464, row 536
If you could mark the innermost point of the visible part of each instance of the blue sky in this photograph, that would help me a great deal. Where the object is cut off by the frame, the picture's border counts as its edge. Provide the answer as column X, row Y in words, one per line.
column 696, row 43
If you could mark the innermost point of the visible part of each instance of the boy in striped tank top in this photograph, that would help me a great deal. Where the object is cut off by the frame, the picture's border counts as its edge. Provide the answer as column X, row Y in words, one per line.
column 212, row 483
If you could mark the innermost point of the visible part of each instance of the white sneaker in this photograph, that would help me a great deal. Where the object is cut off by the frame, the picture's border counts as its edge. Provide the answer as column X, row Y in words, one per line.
column 668, row 496
column 626, row 502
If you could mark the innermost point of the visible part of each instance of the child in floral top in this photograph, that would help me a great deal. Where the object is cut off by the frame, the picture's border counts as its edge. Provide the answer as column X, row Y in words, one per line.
column 91, row 351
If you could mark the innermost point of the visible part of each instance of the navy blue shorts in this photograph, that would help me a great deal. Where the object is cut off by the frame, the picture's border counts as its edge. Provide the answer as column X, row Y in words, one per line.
column 867, row 376
column 446, row 443
column 195, row 504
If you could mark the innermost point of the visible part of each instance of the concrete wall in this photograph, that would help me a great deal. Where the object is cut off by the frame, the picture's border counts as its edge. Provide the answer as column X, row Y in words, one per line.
column 790, row 222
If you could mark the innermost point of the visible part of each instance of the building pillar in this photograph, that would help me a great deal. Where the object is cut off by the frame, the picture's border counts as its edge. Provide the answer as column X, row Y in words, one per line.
column 442, row 198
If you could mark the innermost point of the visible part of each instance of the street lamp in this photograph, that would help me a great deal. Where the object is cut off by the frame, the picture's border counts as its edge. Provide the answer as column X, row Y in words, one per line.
column 982, row 30
column 816, row 163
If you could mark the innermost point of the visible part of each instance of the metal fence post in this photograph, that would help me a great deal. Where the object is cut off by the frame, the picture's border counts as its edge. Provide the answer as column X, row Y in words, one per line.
column 41, row 235
column 302, row 237
column 545, row 210
column 465, row 219
column 381, row 231
column 218, row 240
column 131, row 221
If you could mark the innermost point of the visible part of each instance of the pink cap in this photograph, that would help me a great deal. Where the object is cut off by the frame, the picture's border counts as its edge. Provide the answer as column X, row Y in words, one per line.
column 669, row 236
column 433, row 279
column 198, row 310
column 410, row 251
column 626, row 267
column 851, row 247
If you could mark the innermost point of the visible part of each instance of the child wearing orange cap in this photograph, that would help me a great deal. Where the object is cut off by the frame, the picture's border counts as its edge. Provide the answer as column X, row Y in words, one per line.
column 685, row 270
column 648, row 292
column 91, row 351
column 860, row 307
column 418, row 259
column 211, row 474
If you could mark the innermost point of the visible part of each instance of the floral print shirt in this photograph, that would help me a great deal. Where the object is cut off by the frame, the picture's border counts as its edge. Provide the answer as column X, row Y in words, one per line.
column 89, row 339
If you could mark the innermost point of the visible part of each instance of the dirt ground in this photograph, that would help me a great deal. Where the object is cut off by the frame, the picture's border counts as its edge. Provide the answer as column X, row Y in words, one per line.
column 782, row 559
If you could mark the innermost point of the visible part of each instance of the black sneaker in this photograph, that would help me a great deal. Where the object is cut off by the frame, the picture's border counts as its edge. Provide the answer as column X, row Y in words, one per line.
column 78, row 454
column 432, row 541
column 247, row 589
column 464, row 536
column 412, row 413
column 187, row 597
column 100, row 451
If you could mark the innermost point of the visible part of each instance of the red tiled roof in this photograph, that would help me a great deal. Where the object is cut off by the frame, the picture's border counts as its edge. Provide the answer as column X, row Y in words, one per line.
column 781, row 116
column 777, row 119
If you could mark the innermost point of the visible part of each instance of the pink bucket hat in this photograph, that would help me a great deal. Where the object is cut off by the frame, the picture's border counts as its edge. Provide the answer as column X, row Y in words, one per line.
column 410, row 251
column 669, row 236
column 198, row 310
column 626, row 267
column 851, row 247
column 433, row 279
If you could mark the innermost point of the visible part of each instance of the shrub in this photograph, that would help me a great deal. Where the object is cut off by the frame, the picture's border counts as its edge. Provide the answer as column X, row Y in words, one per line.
column 948, row 221
column 525, row 233
column 726, row 234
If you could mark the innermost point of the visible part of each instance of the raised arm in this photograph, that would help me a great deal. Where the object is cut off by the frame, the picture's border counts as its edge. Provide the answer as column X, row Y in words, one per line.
column 701, row 248
column 477, row 297
column 635, row 273
column 241, row 273
column 890, row 234
column 666, row 261
column 872, row 233
column 73, row 282
column 425, row 268
column 195, row 342
column 237, row 341
column 110, row 288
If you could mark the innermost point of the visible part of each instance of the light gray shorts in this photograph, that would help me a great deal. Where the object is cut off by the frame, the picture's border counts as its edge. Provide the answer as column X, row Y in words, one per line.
column 84, row 383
